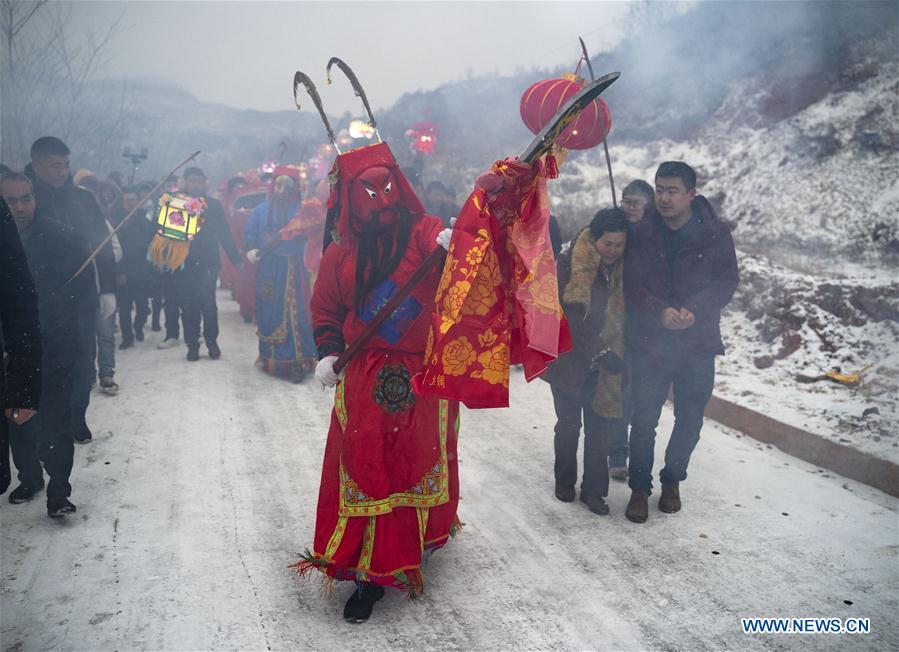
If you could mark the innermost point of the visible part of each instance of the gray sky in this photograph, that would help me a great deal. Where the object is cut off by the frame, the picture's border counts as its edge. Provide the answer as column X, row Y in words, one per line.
column 244, row 54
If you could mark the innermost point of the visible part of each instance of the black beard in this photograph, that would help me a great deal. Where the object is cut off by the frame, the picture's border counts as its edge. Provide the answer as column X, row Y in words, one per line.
column 381, row 248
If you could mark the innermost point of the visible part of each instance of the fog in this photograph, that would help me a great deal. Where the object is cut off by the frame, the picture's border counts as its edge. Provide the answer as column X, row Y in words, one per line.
column 243, row 54
column 200, row 464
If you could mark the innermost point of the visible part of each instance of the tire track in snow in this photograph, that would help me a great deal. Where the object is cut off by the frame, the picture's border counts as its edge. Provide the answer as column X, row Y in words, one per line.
column 226, row 480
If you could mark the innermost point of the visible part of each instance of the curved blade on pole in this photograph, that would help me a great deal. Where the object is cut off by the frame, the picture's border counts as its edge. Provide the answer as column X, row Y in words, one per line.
column 544, row 140
column 540, row 145
column 302, row 78
column 605, row 144
column 357, row 88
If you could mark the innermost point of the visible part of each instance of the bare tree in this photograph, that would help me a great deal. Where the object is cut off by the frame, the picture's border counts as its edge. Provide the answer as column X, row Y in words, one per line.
column 50, row 80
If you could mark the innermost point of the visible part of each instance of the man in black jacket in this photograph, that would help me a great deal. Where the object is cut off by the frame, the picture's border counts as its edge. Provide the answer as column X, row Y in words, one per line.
column 201, row 270
column 135, row 237
column 680, row 273
column 59, row 199
column 20, row 376
column 54, row 253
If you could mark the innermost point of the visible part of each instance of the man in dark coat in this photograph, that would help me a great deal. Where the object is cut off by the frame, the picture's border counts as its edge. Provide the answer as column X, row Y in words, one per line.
column 588, row 379
column 135, row 237
column 20, row 344
column 59, row 199
column 54, row 253
column 441, row 201
column 680, row 273
column 201, row 270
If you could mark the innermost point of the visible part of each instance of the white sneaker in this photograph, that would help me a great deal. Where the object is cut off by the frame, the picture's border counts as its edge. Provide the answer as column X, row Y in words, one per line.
column 168, row 343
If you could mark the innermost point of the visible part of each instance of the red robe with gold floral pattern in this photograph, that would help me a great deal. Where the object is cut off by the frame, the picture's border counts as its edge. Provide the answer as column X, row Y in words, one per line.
column 389, row 487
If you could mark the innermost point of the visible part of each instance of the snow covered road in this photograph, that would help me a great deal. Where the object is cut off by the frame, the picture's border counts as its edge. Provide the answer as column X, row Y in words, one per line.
column 200, row 487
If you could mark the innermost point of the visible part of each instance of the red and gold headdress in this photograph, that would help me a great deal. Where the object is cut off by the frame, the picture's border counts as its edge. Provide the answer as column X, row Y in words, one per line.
column 366, row 183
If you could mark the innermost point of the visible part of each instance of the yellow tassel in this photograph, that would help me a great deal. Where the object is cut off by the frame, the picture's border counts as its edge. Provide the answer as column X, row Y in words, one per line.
column 167, row 253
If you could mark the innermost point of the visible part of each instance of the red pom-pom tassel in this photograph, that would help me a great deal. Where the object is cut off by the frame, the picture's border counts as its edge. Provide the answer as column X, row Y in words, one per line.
column 552, row 167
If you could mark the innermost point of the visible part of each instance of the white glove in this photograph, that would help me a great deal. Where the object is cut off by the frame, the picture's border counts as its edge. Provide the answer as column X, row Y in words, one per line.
column 107, row 305
column 324, row 371
column 253, row 255
column 444, row 237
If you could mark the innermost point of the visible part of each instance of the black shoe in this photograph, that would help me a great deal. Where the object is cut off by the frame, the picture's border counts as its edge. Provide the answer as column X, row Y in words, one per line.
column 597, row 504
column 139, row 334
column 360, row 605
column 59, row 507
column 83, row 436
column 23, row 494
column 214, row 351
column 126, row 344
column 564, row 493
column 247, row 318
column 193, row 353
column 669, row 501
column 155, row 326
column 637, row 507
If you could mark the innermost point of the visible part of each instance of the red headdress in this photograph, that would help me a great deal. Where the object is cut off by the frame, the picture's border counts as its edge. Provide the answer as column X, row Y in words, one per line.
column 367, row 184
column 368, row 189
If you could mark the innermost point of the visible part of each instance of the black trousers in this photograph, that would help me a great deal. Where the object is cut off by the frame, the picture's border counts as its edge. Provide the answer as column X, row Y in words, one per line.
column 569, row 407
column 84, row 371
column 132, row 295
column 171, row 293
column 154, row 292
column 47, row 435
column 693, row 381
column 5, row 475
column 198, row 303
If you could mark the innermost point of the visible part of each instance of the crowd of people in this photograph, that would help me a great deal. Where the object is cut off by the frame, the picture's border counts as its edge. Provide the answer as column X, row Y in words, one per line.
column 69, row 267
column 642, row 287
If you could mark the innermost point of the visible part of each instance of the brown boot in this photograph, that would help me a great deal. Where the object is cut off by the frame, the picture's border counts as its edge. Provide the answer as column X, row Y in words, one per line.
column 637, row 507
column 669, row 501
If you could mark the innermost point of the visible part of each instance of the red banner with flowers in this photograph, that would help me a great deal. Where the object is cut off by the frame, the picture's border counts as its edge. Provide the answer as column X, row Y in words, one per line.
column 497, row 303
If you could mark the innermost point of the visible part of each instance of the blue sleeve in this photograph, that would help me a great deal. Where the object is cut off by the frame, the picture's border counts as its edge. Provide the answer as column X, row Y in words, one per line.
column 254, row 227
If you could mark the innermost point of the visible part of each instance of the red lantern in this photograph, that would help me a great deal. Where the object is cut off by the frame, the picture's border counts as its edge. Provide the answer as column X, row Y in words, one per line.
column 423, row 137
column 541, row 101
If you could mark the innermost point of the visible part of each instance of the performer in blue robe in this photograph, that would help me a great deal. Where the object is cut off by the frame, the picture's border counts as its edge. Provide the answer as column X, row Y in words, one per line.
column 286, row 345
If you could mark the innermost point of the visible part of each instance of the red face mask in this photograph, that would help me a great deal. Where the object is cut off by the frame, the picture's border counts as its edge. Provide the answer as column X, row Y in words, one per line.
column 374, row 192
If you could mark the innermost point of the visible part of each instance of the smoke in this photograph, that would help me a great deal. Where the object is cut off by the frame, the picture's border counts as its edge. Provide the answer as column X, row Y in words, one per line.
column 680, row 71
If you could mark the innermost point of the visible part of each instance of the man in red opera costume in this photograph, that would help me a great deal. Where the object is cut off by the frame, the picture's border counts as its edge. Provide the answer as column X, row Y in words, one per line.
column 390, row 485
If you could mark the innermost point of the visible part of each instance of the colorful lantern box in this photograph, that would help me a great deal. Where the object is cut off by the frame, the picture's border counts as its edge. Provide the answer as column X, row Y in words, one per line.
column 180, row 217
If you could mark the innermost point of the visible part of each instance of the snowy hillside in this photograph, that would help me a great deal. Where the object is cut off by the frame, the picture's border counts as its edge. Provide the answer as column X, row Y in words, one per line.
column 820, row 184
column 813, row 200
